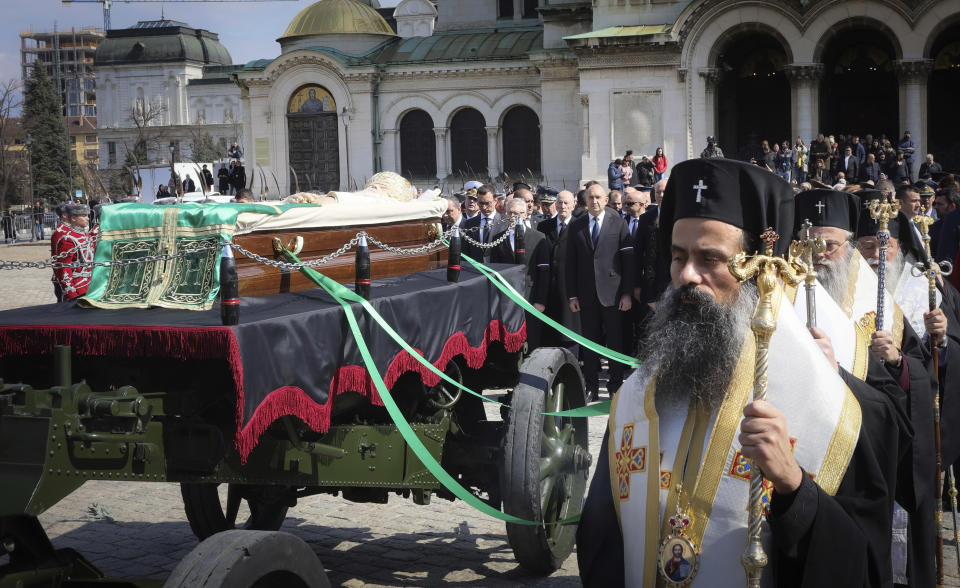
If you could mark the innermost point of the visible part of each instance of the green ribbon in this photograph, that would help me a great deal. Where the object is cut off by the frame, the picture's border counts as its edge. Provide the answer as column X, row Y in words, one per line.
column 338, row 292
column 504, row 286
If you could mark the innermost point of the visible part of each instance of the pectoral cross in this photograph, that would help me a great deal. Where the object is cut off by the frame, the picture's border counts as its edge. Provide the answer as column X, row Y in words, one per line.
column 700, row 187
column 820, row 206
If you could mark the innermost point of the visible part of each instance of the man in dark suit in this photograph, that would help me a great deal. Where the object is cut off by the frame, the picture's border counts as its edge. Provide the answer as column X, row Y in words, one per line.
column 453, row 217
column 535, row 255
column 638, row 222
column 945, row 202
column 600, row 272
column 482, row 227
column 849, row 165
column 555, row 230
column 870, row 170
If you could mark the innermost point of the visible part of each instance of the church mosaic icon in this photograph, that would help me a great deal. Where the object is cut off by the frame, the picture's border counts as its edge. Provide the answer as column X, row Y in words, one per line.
column 311, row 99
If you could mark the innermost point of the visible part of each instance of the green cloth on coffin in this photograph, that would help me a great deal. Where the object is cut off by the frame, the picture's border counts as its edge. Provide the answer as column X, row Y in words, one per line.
column 136, row 231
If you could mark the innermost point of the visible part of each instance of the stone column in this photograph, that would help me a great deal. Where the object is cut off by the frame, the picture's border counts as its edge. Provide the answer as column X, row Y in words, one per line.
column 711, row 81
column 804, row 99
column 493, row 153
column 913, row 76
column 390, row 151
column 443, row 154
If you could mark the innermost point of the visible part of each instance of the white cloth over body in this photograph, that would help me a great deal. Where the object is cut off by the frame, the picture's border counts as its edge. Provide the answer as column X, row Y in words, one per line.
column 823, row 421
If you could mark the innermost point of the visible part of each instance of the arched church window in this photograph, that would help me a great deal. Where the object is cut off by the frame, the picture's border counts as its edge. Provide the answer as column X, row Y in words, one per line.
column 140, row 104
column 521, row 141
column 468, row 143
column 418, row 146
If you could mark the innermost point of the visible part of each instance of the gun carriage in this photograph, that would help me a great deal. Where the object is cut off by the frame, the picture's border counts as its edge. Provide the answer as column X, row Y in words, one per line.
column 279, row 406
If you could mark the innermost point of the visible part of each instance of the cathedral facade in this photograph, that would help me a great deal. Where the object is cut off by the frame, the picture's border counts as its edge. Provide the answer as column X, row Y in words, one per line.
column 554, row 90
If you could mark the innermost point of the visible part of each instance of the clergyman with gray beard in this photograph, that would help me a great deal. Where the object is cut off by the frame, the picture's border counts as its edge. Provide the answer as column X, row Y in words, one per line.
column 669, row 428
column 896, row 370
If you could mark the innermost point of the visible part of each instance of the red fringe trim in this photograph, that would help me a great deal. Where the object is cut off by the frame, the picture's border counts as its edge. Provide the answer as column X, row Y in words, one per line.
column 221, row 343
column 292, row 401
column 181, row 343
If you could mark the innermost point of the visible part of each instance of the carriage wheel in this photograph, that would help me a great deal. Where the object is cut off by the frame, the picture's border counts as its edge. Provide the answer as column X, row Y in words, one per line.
column 208, row 516
column 545, row 459
column 250, row 559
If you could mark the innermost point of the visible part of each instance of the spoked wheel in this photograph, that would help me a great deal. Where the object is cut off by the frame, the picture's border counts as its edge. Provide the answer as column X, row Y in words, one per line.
column 250, row 559
column 545, row 459
column 445, row 395
column 208, row 515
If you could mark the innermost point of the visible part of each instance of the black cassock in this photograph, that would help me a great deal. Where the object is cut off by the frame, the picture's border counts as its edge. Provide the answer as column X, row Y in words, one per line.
column 819, row 540
column 917, row 472
column 950, row 379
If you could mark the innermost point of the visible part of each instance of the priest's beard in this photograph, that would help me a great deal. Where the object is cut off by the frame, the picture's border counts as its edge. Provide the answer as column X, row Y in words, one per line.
column 835, row 275
column 694, row 343
column 893, row 270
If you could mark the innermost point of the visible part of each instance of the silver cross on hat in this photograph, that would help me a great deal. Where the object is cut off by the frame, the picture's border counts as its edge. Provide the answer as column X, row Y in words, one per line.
column 700, row 187
column 819, row 206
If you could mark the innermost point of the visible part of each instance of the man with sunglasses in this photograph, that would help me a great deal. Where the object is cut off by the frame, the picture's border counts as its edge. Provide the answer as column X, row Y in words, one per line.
column 484, row 225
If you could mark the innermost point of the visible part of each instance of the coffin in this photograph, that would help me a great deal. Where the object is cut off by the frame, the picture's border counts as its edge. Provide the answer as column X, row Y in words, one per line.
column 402, row 225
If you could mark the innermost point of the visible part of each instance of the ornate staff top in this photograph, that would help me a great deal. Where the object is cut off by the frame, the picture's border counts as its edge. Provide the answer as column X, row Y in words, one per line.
column 767, row 269
column 882, row 210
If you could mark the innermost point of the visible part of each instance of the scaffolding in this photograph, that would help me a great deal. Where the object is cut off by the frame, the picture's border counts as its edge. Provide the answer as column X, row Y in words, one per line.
column 68, row 58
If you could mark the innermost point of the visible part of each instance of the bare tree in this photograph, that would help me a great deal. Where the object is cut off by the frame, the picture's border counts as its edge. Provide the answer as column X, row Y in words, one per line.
column 12, row 161
column 146, row 117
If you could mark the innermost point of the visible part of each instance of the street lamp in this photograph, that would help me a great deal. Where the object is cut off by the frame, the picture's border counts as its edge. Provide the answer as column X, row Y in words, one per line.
column 28, row 141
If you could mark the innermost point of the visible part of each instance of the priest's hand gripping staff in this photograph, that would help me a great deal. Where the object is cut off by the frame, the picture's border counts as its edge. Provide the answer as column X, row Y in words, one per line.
column 882, row 210
column 766, row 269
column 930, row 268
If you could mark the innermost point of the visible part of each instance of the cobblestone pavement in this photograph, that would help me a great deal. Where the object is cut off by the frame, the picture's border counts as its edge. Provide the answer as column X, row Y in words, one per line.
column 397, row 544
column 25, row 287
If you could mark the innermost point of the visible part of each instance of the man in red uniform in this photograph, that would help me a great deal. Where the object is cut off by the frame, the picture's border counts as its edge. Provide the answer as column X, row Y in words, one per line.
column 73, row 241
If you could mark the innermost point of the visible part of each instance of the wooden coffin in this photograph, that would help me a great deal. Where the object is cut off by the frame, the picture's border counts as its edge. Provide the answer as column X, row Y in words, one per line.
column 257, row 279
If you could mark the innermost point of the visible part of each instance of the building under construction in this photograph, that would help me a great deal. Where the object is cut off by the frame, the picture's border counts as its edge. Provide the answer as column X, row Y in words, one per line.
column 68, row 57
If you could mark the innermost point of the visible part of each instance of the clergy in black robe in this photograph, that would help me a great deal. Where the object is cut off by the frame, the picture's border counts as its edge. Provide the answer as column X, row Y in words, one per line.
column 819, row 538
column 913, row 372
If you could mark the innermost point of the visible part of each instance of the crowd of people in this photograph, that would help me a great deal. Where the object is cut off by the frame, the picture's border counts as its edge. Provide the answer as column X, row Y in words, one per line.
column 848, row 436
column 642, row 269
column 231, row 179
column 845, row 159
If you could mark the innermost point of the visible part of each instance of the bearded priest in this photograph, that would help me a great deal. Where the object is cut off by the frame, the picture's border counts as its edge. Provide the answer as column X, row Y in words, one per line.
column 668, row 503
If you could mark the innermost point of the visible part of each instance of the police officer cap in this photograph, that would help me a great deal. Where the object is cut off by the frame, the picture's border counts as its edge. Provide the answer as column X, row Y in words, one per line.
column 925, row 187
column 825, row 207
column 734, row 192
column 521, row 186
column 548, row 194
column 472, row 185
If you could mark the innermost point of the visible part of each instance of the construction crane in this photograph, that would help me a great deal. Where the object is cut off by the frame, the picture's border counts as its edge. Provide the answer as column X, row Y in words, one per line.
column 107, row 4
